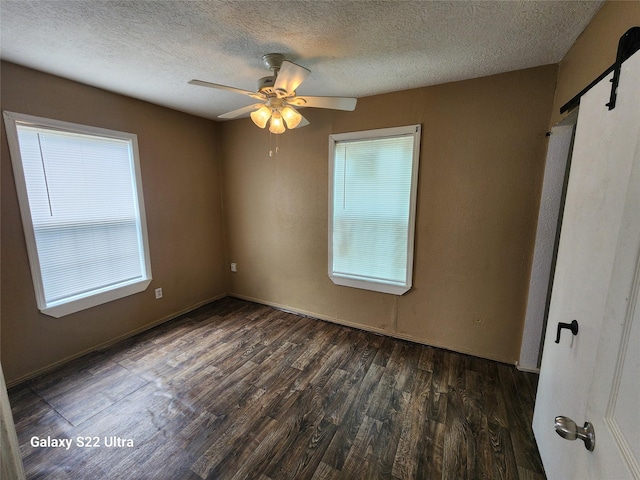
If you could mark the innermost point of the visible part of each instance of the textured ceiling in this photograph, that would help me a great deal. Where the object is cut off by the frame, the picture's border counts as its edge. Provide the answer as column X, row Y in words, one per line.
column 150, row 49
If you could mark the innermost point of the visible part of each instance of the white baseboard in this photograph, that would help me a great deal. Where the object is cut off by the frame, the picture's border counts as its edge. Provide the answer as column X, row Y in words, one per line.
column 523, row 368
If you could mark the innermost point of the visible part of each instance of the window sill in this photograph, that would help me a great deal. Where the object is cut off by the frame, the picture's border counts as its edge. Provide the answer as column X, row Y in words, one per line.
column 60, row 309
column 393, row 289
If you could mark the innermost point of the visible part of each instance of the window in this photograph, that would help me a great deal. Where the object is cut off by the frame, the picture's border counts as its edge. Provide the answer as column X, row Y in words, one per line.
column 372, row 203
column 82, row 209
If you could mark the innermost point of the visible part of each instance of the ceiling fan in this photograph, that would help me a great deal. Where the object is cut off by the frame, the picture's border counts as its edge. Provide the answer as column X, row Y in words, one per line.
column 277, row 94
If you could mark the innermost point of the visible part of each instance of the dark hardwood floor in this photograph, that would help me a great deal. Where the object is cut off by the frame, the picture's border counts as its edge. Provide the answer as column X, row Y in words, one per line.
column 237, row 390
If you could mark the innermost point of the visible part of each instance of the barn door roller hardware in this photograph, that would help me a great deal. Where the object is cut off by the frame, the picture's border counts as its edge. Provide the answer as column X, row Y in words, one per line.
column 628, row 45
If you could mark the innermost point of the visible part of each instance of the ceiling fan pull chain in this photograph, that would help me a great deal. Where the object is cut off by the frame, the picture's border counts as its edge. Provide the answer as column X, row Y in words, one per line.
column 271, row 149
column 271, row 145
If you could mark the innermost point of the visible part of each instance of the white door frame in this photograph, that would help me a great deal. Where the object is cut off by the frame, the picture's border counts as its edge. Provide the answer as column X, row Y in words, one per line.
column 12, row 468
column 556, row 169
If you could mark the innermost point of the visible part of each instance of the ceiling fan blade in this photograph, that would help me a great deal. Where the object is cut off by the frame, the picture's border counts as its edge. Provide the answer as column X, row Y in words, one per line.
column 303, row 123
column 334, row 103
column 289, row 78
column 202, row 83
column 240, row 111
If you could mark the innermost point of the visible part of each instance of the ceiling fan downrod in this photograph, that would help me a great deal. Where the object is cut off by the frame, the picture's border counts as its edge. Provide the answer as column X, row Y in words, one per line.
column 273, row 61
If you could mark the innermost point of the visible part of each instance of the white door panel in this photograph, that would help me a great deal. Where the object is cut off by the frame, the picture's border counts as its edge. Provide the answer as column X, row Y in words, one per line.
column 614, row 397
column 602, row 205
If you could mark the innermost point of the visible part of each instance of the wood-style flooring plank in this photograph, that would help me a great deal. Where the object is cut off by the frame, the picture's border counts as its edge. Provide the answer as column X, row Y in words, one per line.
column 353, row 416
column 385, row 448
column 516, row 389
column 412, row 445
column 89, row 393
column 236, row 390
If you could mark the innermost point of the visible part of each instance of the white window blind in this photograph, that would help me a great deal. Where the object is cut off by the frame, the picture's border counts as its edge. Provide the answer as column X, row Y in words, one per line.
column 372, row 208
column 83, row 212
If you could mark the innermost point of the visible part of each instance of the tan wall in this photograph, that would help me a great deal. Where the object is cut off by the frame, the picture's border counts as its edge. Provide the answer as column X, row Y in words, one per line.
column 594, row 50
column 482, row 159
column 179, row 156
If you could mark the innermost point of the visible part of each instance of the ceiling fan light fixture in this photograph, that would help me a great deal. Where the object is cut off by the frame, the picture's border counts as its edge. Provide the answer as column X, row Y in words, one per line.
column 276, row 125
column 261, row 116
column 291, row 116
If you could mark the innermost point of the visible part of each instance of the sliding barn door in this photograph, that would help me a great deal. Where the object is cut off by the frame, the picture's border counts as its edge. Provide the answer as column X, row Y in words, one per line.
column 594, row 375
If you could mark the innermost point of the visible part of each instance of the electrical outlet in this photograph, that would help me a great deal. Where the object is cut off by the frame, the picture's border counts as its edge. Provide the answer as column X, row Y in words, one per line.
column 158, row 293
column 234, row 267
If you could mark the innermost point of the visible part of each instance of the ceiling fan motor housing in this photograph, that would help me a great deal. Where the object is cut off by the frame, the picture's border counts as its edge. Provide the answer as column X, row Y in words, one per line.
column 265, row 85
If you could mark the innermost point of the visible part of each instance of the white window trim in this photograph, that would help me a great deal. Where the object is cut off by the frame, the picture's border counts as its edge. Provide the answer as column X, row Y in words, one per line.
column 353, row 281
column 98, row 297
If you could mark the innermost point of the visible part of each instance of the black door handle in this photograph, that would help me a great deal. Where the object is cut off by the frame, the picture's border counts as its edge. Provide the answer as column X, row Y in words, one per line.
column 573, row 326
